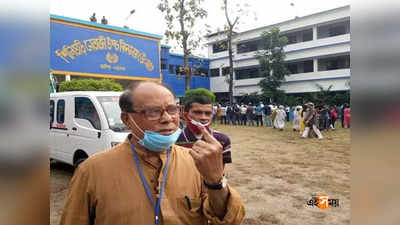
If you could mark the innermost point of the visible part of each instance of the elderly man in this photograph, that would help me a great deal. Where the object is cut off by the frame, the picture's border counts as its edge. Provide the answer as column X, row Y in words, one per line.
column 149, row 180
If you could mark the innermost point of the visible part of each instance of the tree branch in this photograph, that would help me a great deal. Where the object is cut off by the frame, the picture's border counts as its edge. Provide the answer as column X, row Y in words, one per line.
column 234, row 23
column 226, row 13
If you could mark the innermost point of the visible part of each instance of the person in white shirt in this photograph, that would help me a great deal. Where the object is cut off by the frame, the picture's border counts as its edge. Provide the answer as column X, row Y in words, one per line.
column 279, row 121
column 223, row 114
column 214, row 111
column 243, row 116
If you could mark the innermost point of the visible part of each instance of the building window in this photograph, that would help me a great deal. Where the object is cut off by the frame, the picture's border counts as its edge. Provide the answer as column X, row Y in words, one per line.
column 195, row 71
column 225, row 71
column 334, row 63
column 248, row 46
column 338, row 30
column 84, row 109
column 292, row 67
column 163, row 64
column 291, row 39
column 308, row 35
column 246, row 73
column 308, row 66
column 179, row 70
column 334, row 29
column 214, row 72
column 60, row 111
column 299, row 36
column 203, row 72
column 171, row 69
column 301, row 67
column 220, row 46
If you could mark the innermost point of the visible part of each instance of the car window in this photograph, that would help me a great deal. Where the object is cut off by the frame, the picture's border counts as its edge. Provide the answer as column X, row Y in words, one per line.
column 84, row 109
column 60, row 111
column 51, row 111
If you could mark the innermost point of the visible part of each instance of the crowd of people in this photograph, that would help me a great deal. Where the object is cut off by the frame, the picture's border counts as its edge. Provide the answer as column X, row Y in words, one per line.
column 315, row 118
column 196, row 152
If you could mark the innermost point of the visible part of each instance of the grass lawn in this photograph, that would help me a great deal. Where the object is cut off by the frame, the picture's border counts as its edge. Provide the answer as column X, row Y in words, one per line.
column 277, row 172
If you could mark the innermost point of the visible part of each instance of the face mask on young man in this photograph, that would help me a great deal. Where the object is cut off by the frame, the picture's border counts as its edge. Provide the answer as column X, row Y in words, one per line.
column 154, row 141
column 195, row 126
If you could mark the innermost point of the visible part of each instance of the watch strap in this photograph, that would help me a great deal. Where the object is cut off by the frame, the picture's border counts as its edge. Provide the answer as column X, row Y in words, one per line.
column 218, row 186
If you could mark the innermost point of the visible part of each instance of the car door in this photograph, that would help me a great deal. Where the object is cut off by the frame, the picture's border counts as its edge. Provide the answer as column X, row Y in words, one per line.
column 52, row 142
column 59, row 130
column 86, row 133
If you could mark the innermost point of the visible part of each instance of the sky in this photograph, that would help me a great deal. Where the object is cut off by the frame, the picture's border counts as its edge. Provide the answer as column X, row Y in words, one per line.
column 149, row 19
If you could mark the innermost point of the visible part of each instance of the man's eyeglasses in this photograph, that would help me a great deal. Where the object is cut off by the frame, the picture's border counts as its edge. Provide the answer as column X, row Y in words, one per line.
column 157, row 112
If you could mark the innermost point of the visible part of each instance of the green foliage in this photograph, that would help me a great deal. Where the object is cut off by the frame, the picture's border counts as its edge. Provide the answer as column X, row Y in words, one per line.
column 181, row 17
column 272, row 64
column 90, row 85
column 324, row 95
column 341, row 98
column 199, row 91
column 293, row 100
column 320, row 98
column 254, row 98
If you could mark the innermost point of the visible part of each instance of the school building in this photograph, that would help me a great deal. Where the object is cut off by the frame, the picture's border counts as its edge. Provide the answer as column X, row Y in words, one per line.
column 83, row 49
column 317, row 54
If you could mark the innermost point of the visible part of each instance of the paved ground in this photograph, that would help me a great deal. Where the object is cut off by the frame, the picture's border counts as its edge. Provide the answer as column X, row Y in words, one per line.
column 276, row 172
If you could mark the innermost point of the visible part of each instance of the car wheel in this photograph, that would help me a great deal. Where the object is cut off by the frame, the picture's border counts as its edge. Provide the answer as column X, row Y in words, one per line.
column 79, row 161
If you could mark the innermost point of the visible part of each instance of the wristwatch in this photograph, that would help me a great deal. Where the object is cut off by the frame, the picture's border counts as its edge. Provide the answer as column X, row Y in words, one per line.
column 218, row 186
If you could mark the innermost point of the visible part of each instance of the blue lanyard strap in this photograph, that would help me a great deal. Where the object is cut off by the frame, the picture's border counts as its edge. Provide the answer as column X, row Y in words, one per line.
column 146, row 186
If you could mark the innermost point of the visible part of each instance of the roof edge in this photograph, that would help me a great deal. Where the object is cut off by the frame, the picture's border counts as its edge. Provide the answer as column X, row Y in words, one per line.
column 108, row 27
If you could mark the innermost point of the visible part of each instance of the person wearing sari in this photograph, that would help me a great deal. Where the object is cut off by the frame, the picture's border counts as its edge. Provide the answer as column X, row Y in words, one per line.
column 346, row 114
column 296, row 118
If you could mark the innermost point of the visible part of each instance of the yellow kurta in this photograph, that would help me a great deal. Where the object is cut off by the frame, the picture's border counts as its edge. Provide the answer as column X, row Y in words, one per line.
column 106, row 189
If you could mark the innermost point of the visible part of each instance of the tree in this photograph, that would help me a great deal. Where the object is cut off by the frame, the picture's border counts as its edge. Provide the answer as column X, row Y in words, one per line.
column 90, row 85
column 341, row 98
column 233, row 16
column 253, row 97
column 272, row 65
column 324, row 96
column 229, row 33
column 185, row 13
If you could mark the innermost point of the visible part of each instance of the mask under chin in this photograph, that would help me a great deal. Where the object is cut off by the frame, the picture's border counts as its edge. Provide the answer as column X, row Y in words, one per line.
column 194, row 122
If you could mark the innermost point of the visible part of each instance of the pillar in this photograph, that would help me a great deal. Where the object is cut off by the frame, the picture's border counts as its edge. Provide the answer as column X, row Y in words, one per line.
column 315, row 33
column 315, row 61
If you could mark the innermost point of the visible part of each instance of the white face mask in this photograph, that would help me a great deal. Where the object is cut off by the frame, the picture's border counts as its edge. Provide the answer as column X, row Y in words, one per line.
column 199, row 124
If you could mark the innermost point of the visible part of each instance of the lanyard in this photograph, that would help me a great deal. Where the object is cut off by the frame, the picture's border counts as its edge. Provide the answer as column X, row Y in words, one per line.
column 146, row 186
